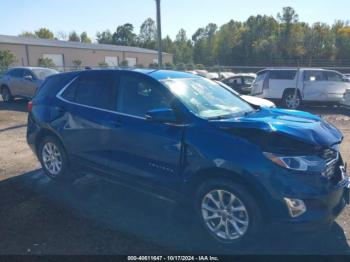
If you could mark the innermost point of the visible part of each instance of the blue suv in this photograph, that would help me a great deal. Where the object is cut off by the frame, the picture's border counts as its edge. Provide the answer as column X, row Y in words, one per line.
column 190, row 139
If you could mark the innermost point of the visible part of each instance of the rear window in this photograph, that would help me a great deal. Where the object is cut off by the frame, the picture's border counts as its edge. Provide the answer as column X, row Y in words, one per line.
column 283, row 74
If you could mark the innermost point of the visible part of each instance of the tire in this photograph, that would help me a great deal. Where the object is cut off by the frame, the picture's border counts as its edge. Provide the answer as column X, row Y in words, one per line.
column 6, row 94
column 287, row 100
column 247, row 211
column 56, row 164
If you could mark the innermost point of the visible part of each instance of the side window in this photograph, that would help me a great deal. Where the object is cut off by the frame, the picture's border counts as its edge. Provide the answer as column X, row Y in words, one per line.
column 137, row 95
column 28, row 73
column 236, row 81
column 18, row 73
column 334, row 77
column 283, row 74
column 248, row 80
column 96, row 89
column 311, row 76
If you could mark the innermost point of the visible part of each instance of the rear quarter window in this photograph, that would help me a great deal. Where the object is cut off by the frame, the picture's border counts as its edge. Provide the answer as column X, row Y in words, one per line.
column 52, row 85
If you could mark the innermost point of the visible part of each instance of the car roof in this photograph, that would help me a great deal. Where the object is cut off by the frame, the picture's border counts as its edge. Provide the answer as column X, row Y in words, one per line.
column 154, row 73
column 29, row 67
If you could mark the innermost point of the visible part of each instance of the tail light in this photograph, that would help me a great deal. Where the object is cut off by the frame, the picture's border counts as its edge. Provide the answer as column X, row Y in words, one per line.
column 30, row 106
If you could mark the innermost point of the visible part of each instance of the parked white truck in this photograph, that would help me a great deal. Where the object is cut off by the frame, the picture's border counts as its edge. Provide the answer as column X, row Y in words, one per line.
column 294, row 86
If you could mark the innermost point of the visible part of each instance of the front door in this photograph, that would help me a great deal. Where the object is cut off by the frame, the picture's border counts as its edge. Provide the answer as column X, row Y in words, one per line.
column 314, row 85
column 139, row 148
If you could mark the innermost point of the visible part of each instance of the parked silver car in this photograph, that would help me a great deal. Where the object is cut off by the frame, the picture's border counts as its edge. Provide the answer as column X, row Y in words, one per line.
column 23, row 81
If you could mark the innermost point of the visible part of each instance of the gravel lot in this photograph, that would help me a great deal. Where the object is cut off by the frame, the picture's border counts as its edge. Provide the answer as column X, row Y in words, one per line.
column 38, row 216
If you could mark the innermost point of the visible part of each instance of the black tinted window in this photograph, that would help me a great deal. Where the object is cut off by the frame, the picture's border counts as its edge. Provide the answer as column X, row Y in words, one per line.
column 28, row 73
column 95, row 89
column 137, row 95
column 283, row 74
column 16, row 73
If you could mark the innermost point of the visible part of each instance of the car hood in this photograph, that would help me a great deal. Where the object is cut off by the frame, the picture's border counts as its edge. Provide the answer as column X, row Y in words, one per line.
column 258, row 101
column 299, row 125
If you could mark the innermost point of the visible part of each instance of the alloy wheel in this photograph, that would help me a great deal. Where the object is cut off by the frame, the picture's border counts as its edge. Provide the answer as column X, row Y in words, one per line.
column 52, row 158
column 292, row 101
column 225, row 215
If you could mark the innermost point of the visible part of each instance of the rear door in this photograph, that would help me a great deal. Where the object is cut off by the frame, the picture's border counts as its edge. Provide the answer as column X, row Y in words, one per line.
column 315, row 85
column 280, row 80
column 15, row 82
column 87, row 123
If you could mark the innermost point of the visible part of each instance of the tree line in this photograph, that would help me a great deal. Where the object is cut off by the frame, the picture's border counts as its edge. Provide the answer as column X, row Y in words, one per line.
column 259, row 41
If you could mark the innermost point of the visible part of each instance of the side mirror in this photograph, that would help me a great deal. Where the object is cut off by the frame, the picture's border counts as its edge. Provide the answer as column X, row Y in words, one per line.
column 28, row 77
column 161, row 115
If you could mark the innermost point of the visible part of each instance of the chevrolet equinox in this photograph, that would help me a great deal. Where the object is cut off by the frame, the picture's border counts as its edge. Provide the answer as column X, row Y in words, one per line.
column 240, row 166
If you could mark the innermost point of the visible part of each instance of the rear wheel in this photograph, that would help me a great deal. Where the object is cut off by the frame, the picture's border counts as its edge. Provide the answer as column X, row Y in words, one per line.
column 291, row 100
column 228, row 212
column 54, row 159
column 6, row 94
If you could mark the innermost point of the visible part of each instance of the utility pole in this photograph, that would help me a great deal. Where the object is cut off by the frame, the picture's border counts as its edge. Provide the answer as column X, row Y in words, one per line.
column 159, row 31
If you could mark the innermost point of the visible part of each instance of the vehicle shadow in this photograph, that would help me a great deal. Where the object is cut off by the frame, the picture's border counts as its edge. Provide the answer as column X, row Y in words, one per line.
column 158, row 226
column 19, row 105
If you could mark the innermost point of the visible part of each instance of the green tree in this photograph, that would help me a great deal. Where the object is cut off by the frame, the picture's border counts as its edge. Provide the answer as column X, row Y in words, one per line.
column 203, row 49
column 287, row 42
column 148, row 34
column 84, row 38
column 44, row 33
column 28, row 34
column 103, row 64
column 6, row 59
column 46, row 62
column 168, row 45
column 105, row 37
column 169, row 66
column 342, row 40
column 124, row 35
column 183, row 48
column 124, row 63
column 77, row 64
column 73, row 37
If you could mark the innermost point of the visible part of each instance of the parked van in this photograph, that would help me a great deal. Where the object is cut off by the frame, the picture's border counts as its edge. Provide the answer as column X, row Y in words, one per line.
column 294, row 86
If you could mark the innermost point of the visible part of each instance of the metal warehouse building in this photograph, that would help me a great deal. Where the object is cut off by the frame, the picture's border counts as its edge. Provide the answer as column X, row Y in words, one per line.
column 63, row 53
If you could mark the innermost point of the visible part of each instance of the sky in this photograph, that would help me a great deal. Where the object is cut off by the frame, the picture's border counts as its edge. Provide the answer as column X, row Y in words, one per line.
column 98, row 15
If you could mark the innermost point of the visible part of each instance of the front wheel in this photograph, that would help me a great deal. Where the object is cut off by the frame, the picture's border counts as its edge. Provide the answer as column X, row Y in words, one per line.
column 228, row 213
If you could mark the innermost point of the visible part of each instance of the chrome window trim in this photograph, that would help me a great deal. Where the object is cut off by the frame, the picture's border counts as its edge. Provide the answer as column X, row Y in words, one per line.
column 59, row 96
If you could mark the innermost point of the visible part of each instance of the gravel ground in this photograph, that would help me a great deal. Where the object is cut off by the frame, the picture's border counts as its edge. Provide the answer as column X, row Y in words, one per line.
column 38, row 216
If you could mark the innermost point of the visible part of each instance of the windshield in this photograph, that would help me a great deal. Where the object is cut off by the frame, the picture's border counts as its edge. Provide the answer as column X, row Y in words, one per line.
column 43, row 73
column 207, row 99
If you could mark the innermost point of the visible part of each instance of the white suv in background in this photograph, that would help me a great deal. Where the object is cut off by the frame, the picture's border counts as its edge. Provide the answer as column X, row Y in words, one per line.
column 293, row 86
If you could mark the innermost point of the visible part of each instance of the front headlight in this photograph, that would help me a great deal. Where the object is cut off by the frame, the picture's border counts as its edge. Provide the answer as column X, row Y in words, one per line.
column 298, row 163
